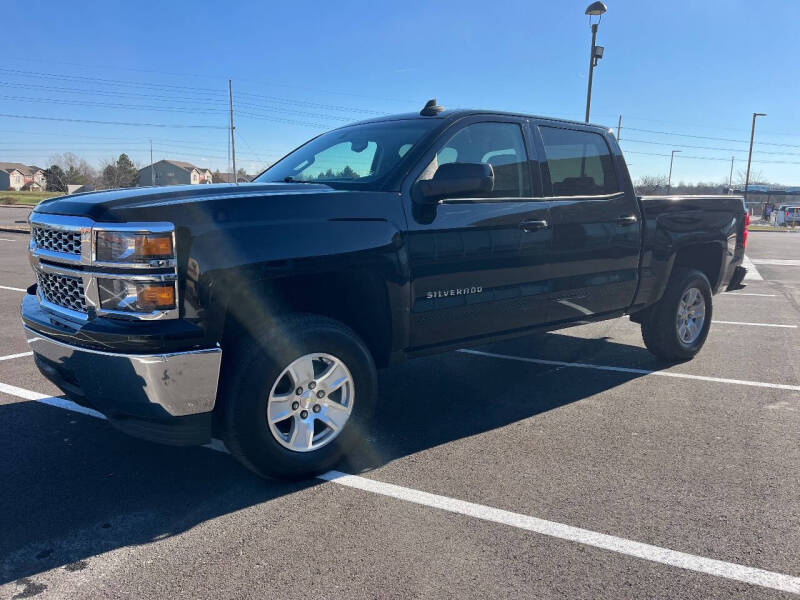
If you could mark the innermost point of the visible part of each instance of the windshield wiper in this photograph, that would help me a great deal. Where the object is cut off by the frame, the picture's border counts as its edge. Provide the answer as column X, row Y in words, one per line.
column 293, row 180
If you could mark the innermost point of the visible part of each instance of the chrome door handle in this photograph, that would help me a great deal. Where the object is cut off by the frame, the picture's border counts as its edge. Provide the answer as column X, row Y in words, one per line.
column 626, row 220
column 529, row 226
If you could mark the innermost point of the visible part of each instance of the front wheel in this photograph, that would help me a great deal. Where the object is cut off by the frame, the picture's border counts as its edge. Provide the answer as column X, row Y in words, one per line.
column 677, row 326
column 298, row 396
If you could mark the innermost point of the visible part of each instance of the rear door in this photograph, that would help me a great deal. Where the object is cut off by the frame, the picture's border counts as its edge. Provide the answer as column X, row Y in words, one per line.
column 596, row 225
column 479, row 264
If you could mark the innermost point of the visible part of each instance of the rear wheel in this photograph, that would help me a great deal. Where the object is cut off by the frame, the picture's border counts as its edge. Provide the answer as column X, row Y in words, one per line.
column 677, row 326
column 298, row 396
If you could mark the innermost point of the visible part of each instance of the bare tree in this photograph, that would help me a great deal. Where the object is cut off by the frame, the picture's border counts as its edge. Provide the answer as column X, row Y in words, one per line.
column 76, row 170
column 651, row 184
column 756, row 178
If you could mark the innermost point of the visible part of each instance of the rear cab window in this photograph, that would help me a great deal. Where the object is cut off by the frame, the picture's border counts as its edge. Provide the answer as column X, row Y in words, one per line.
column 579, row 162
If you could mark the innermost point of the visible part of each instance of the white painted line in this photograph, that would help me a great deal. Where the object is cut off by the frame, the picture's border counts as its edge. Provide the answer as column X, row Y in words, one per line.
column 665, row 556
column 750, row 294
column 674, row 558
column 559, row 363
column 777, row 261
column 19, row 392
column 13, row 289
column 752, row 272
column 755, row 324
column 6, row 240
column 20, row 355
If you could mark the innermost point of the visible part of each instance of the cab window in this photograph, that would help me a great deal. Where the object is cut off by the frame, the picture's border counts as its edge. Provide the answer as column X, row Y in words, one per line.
column 500, row 145
column 580, row 162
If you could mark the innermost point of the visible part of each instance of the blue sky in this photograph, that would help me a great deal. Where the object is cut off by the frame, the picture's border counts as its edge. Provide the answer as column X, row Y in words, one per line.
column 701, row 69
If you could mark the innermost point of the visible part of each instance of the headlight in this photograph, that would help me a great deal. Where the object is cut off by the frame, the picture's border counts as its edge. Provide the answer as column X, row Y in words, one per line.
column 132, row 248
column 134, row 296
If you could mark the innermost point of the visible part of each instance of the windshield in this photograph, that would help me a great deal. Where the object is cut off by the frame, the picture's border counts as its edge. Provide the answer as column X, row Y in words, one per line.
column 361, row 154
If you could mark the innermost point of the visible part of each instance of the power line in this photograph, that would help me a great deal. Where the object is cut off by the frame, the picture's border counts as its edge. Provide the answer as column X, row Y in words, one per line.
column 705, row 137
column 709, row 147
column 9, row 116
column 194, row 90
column 684, row 156
column 68, row 102
column 201, row 75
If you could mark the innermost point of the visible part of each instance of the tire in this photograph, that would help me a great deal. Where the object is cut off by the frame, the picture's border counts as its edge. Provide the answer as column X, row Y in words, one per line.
column 661, row 328
column 258, row 377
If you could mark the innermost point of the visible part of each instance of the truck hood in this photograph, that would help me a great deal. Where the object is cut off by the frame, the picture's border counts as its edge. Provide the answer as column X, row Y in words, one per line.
column 105, row 206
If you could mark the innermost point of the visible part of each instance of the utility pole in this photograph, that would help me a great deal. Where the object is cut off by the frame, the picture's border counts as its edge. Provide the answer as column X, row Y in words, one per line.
column 152, row 168
column 619, row 127
column 669, row 179
column 750, row 154
column 233, row 138
column 730, row 177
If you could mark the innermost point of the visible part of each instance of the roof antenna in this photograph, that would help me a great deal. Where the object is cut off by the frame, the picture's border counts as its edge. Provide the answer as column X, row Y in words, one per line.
column 431, row 108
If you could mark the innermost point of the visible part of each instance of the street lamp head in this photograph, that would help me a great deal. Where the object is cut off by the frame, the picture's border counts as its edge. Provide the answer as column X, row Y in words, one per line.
column 759, row 114
column 596, row 9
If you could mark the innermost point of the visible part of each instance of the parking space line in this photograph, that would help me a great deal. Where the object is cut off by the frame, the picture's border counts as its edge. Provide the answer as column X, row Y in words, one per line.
column 13, row 289
column 782, row 262
column 559, row 363
column 682, row 560
column 6, row 240
column 20, row 355
column 752, row 272
column 658, row 554
column 750, row 294
column 755, row 324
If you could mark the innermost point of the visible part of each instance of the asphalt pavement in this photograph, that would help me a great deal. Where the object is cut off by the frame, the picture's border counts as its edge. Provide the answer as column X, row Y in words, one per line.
column 570, row 464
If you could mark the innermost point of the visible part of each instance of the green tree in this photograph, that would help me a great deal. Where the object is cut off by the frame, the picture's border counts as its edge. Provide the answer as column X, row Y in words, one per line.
column 56, row 179
column 120, row 173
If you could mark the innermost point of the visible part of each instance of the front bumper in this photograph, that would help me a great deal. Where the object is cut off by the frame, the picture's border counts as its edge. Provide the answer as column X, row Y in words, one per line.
column 165, row 398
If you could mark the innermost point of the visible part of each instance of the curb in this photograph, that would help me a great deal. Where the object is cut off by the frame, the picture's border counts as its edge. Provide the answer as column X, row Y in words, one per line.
column 12, row 229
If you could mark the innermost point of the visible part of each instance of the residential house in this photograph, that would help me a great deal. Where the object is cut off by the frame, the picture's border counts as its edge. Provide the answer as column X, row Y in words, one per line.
column 172, row 172
column 17, row 176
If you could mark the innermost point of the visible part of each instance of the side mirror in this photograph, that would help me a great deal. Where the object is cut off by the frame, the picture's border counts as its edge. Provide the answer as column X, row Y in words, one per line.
column 456, row 179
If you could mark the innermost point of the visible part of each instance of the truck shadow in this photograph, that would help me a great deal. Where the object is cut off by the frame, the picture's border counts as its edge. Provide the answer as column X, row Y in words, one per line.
column 74, row 488
column 438, row 399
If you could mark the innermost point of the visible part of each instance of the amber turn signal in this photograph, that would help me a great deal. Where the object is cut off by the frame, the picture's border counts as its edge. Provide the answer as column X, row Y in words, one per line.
column 154, row 245
column 156, row 297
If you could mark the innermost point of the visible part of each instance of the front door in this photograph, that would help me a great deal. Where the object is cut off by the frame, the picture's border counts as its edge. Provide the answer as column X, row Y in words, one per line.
column 479, row 265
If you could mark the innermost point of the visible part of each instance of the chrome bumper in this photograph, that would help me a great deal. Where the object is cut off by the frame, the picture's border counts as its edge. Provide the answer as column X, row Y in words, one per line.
column 177, row 384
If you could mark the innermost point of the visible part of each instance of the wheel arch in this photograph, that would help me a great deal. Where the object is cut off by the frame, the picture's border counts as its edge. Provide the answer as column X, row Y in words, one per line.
column 356, row 297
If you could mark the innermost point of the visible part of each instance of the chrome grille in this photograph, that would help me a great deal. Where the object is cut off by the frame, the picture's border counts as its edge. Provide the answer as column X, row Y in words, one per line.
column 61, row 290
column 57, row 240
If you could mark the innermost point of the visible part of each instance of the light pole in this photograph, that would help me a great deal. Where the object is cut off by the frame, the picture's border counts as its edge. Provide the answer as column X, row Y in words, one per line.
column 730, row 177
column 595, row 9
column 669, row 179
column 750, row 154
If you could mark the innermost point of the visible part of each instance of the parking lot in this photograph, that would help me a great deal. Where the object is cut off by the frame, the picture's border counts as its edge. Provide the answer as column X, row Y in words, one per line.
column 570, row 464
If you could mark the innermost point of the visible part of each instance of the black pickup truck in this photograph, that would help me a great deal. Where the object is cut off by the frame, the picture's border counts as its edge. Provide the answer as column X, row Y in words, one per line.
column 258, row 313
